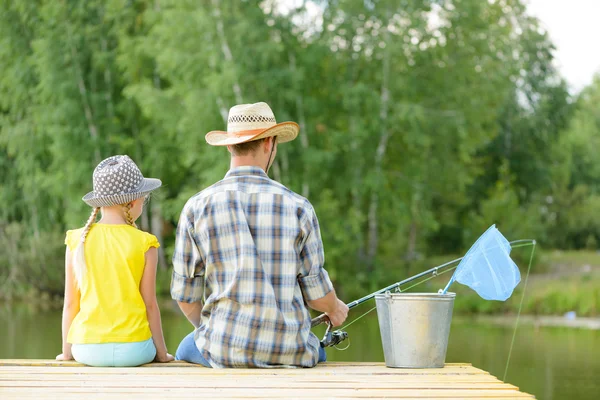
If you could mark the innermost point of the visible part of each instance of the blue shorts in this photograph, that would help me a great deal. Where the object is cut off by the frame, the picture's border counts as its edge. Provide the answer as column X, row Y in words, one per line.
column 115, row 354
column 187, row 351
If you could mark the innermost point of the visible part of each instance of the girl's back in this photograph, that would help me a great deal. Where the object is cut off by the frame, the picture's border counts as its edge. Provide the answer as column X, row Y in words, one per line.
column 110, row 316
column 111, row 305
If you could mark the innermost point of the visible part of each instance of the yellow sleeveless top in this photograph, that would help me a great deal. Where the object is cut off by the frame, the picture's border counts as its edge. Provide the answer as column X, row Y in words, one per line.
column 111, row 306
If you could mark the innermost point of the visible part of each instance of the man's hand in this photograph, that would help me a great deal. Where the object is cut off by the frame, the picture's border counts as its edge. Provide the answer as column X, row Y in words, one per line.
column 335, row 309
column 339, row 314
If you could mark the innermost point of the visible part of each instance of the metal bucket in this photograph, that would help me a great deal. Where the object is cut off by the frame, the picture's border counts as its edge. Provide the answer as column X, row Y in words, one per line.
column 414, row 328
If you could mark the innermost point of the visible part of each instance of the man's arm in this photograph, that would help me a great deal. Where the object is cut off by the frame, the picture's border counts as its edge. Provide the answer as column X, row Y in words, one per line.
column 314, row 281
column 335, row 309
column 191, row 311
column 187, row 282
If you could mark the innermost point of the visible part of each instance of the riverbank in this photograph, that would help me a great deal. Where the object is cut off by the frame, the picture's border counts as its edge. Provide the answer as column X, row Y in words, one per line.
column 561, row 282
column 535, row 320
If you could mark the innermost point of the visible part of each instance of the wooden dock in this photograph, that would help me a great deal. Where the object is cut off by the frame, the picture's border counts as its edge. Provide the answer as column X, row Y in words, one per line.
column 45, row 379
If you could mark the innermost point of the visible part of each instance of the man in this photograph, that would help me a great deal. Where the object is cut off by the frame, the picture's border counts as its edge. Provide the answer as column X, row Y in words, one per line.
column 249, row 258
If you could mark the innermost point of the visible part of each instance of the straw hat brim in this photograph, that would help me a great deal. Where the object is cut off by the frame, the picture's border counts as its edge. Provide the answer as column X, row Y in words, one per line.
column 285, row 132
column 148, row 185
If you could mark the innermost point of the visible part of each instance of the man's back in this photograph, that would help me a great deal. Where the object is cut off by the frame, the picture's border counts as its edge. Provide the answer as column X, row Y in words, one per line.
column 251, row 250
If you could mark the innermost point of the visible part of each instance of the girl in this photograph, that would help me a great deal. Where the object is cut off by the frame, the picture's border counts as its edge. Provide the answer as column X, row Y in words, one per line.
column 110, row 315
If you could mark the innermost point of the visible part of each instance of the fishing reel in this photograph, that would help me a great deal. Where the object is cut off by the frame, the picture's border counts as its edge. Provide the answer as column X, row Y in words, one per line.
column 333, row 338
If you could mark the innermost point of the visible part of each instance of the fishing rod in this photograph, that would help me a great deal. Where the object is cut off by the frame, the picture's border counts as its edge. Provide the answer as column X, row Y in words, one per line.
column 433, row 271
column 332, row 338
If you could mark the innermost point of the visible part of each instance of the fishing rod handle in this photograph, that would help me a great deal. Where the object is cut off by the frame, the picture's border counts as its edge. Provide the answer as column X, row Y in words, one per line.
column 319, row 320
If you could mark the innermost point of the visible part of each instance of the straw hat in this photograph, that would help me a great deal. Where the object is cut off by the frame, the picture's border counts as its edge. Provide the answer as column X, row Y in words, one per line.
column 248, row 122
column 117, row 180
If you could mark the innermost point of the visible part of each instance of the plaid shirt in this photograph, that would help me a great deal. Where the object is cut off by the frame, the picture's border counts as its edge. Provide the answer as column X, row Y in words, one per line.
column 250, row 250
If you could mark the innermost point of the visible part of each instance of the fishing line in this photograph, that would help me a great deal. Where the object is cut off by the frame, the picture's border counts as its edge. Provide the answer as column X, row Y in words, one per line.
column 431, row 277
column 345, row 348
column 512, row 342
column 517, row 244
column 356, row 319
column 408, row 288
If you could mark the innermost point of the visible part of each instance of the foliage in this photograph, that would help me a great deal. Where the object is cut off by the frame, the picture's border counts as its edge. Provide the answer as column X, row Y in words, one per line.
column 30, row 261
column 423, row 121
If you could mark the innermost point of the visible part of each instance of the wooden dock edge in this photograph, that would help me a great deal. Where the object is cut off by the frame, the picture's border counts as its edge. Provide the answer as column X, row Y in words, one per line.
column 49, row 379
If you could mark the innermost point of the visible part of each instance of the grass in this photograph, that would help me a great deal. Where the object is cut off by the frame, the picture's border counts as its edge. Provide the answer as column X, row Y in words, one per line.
column 571, row 258
column 560, row 281
column 543, row 297
column 556, row 297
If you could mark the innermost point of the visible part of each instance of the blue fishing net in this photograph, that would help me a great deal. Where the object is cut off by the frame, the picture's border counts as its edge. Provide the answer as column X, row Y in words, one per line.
column 487, row 267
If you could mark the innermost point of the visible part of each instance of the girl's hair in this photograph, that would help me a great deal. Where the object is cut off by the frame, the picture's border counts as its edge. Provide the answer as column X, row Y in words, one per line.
column 126, row 209
column 79, row 258
column 79, row 265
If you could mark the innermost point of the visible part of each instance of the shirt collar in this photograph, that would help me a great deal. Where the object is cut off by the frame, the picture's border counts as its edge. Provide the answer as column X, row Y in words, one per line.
column 245, row 171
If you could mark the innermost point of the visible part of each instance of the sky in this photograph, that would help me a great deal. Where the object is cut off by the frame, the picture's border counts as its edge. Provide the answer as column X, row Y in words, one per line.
column 574, row 27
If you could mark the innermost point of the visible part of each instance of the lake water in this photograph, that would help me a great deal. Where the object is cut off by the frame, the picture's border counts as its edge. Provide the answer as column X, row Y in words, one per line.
column 552, row 363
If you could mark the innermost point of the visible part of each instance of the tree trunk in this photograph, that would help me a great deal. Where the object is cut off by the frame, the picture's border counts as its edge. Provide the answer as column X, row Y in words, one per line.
column 411, row 251
column 156, row 219
column 412, row 240
column 89, row 116
column 145, row 224
column 276, row 171
column 373, row 232
column 35, row 219
column 108, row 81
column 225, row 48
column 222, row 109
column 373, row 241
column 156, row 229
column 303, row 128
column 356, row 191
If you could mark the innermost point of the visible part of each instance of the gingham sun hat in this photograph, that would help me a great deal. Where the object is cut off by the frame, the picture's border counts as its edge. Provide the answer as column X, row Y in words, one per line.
column 117, row 180
column 248, row 122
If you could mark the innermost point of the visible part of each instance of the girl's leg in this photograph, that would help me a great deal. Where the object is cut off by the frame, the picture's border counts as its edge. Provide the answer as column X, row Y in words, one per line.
column 94, row 355
column 187, row 351
column 134, row 353
column 115, row 354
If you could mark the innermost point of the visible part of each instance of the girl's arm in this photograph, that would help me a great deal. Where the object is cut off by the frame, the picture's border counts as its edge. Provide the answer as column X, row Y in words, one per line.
column 148, row 290
column 70, row 308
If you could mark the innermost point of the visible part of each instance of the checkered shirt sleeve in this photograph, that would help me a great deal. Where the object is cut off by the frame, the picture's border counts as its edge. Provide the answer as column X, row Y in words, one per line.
column 313, row 278
column 187, row 281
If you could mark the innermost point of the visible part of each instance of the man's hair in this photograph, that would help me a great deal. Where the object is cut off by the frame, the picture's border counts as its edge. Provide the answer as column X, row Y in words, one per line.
column 243, row 149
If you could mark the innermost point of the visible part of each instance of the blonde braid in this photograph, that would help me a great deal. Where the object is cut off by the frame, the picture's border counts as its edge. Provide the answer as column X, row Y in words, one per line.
column 79, row 266
column 130, row 221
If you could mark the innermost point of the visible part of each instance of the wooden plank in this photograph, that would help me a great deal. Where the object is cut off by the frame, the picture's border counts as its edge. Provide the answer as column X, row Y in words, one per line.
column 132, row 396
column 266, row 383
column 116, row 396
column 273, row 378
column 42, row 379
column 319, row 370
column 280, row 393
column 54, row 363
